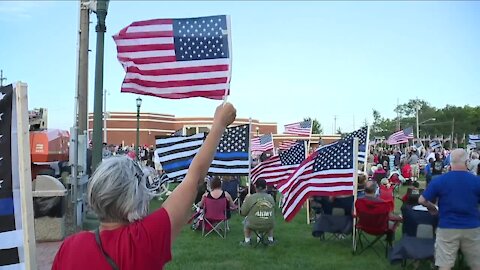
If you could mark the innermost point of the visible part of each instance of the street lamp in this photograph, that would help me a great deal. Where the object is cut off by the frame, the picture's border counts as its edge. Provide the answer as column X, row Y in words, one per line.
column 101, row 28
column 139, row 104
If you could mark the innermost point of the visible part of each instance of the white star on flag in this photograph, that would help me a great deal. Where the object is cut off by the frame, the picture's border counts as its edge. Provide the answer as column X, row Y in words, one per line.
column 2, row 95
column 1, row 114
column 1, row 182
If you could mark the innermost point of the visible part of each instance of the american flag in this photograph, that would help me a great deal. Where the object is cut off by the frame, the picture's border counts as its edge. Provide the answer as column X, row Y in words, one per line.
column 327, row 172
column 300, row 128
column 276, row 169
column 176, row 58
column 176, row 153
column 285, row 145
column 262, row 144
column 362, row 135
column 401, row 136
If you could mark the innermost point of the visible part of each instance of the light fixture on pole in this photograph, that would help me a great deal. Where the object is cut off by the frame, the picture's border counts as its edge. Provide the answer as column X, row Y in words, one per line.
column 139, row 104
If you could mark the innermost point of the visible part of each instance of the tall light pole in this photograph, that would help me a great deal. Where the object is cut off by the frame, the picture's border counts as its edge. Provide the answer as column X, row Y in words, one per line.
column 417, row 108
column 139, row 104
column 101, row 28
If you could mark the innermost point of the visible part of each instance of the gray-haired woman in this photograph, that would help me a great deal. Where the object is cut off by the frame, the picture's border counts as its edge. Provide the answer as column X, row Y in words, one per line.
column 128, row 238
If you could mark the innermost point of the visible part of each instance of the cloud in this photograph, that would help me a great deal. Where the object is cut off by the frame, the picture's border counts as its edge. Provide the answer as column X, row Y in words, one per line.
column 18, row 9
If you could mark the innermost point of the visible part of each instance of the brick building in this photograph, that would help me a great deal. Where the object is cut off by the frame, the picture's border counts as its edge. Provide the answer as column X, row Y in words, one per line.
column 121, row 128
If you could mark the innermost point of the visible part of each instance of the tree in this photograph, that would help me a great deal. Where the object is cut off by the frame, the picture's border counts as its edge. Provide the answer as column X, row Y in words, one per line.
column 316, row 126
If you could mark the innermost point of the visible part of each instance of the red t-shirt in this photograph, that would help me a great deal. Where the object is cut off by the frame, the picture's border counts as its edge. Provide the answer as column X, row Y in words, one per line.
column 145, row 244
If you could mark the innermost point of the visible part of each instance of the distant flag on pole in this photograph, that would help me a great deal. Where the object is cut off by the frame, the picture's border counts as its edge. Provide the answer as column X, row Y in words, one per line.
column 328, row 171
column 435, row 144
column 473, row 141
column 276, row 169
column 285, row 145
column 176, row 58
column 300, row 128
column 362, row 135
column 401, row 136
column 262, row 144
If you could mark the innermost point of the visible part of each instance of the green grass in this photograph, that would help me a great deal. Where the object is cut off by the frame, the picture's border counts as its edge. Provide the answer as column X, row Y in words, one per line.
column 295, row 249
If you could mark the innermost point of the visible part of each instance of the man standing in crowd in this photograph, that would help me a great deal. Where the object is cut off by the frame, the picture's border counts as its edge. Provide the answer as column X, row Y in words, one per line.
column 473, row 164
column 458, row 195
column 413, row 161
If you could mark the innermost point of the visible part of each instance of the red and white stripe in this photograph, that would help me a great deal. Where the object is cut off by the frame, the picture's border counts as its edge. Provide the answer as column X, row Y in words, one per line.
column 305, row 182
column 272, row 171
column 257, row 147
column 147, row 52
column 285, row 145
column 296, row 129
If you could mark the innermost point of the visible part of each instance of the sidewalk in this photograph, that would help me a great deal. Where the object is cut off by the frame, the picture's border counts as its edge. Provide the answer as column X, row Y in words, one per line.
column 46, row 253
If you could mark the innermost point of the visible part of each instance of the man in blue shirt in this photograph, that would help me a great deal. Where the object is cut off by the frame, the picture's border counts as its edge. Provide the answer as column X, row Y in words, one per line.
column 458, row 195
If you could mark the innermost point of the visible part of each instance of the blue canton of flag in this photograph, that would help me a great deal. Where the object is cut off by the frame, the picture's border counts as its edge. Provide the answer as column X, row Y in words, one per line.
column 338, row 156
column 201, row 38
column 294, row 155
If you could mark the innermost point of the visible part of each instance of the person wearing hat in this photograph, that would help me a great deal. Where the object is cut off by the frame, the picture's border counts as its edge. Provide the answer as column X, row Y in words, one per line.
column 258, row 210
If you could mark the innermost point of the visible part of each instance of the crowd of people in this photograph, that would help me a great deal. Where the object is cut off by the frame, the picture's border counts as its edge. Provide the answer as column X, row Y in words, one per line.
column 130, row 238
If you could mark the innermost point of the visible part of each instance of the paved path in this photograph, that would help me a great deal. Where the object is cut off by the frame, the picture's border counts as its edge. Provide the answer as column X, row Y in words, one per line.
column 46, row 253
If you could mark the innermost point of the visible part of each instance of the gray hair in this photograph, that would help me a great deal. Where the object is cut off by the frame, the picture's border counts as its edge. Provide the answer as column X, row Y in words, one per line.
column 458, row 157
column 474, row 155
column 117, row 191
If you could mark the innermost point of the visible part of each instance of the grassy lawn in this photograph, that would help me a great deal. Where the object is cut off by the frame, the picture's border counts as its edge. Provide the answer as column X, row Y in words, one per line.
column 296, row 248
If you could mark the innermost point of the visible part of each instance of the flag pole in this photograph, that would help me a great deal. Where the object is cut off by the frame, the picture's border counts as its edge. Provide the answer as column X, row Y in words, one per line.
column 367, row 150
column 273, row 143
column 229, row 76
column 25, row 176
column 249, row 154
column 307, row 150
column 355, row 189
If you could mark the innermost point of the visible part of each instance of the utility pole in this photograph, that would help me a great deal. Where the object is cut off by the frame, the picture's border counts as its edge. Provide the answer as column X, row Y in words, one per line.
column 82, row 81
column 451, row 136
column 416, row 111
column 2, row 78
column 334, row 124
column 101, row 28
column 398, row 116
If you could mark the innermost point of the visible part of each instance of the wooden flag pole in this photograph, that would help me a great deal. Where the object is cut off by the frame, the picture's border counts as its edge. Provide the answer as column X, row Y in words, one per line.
column 355, row 190
column 25, row 175
column 307, row 149
column 249, row 154
column 367, row 151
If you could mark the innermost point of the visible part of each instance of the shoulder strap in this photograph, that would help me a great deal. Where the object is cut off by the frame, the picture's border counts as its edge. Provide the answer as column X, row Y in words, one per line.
column 108, row 258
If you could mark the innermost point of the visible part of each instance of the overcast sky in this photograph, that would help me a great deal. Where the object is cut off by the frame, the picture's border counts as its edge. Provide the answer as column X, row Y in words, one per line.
column 290, row 59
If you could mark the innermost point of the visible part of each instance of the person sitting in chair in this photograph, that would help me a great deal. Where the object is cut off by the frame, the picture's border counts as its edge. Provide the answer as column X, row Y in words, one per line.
column 259, row 213
column 217, row 193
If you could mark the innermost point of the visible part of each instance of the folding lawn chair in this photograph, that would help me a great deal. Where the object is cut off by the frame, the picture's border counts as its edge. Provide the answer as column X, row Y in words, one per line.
column 215, row 217
column 335, row 218
column 373, row 218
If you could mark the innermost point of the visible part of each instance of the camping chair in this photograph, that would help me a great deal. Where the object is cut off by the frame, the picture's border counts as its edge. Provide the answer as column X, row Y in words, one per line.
column 372, row 218
column 215, row 217
column 233, row 188
column 335, row 219
column 418, row 236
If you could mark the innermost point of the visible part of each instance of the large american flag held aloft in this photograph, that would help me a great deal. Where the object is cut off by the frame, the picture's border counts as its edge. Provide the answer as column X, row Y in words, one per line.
column 328, row 171
column 176, row 153
column 262, row 144
column 300, row 128
column 276, row 169
column 176, row 58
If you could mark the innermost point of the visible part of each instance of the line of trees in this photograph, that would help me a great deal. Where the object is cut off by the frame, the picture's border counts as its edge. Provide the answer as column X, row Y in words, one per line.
column 434, row 121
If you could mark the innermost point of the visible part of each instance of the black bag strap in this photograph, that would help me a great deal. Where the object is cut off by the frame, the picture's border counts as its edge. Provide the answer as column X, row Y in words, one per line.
column 99, row 243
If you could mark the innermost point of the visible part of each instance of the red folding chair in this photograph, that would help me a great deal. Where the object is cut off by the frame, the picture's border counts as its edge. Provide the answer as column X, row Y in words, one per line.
column 386, row 194
column 372, row 218
column 214, row 216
